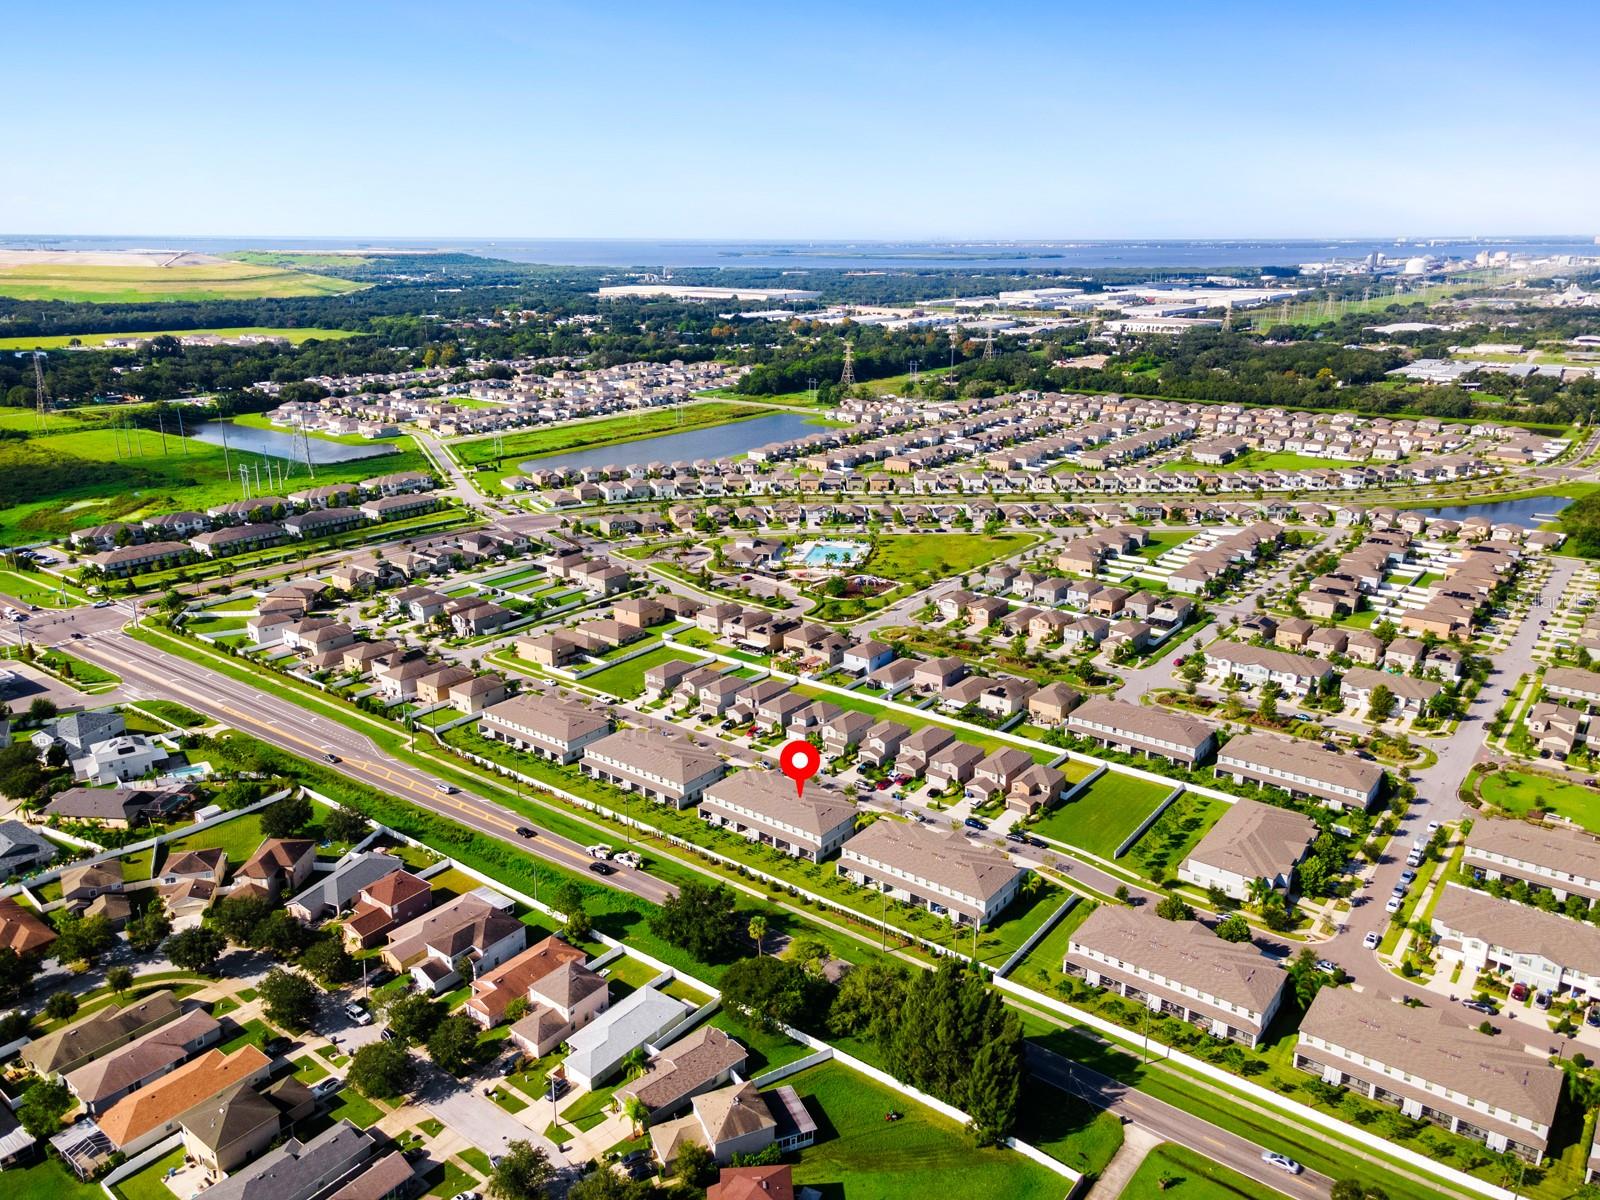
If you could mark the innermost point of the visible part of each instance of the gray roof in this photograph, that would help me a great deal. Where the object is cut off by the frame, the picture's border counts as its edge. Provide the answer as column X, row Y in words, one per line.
column 1555, row 847
column 1140, row 722
column 1256, row 841
column 770, row 796
column 84, row 729
column 329, row 893
column 1281, row 662
column 1518, row 928
column 1439, row 1046
column 22, row 848
column 1184, row 952
column 298, row 1170
column 1316, row 770
column 943, row 857
column 643, row 1015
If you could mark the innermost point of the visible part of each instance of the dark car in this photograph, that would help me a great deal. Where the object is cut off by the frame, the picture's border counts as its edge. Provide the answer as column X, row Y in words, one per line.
column 524, row 831
column 333, row 758
column 974, row 823
column 600, row 868
column 1592, row 1017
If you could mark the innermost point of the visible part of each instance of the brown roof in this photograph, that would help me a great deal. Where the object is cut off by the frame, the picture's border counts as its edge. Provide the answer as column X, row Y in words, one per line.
column 493, row 991
column 276, row 855
column 684, row 1068
column 173, row 1095
column 1518, row 928
column 1147, row 723
column 1555, row 847
column 382, row 1178
column 753, row 1183
column 733, row 1112
column 21, row 930
column 395, row 888
column 1316, row 770
column 195, row 862
column 121, row 1068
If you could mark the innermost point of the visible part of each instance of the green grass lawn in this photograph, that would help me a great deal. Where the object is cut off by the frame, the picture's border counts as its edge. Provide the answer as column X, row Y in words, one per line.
column 1187, row 1176
column 1168, row 842
column 767, row 1050
column 251, row 1033
column 452, row 1180
column 1069, row 1130
column 913, row 557
column 477, row 1160
column 50, row 1180
column 1098, row 818
column 626, row 680
column 858, row 1153
column 357, row 1109
column 608, row 431
column 1520, row 792
column 1160, row 543
column 239, row 837
column 62, row 340
column 179, row 714
column 308, row 1070
column 35, row 587
column 1042, row 966
column 53, row 483
column 591, row 1108
column 147, row 1184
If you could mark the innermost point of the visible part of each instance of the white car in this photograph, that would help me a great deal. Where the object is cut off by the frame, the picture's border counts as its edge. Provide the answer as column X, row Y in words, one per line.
column 326, row 1087
column 1393, row 905
column 1282, row 1161
column 1371, row 940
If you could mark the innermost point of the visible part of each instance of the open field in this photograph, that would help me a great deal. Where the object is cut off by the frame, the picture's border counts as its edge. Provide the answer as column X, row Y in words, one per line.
column 61, row 341
column 204, row 280
column 1104, row 813
column 914, row 556
column 1520, row 792
column 606, row 431
column 626, row 680
column 858, row 1153
column 57, row 482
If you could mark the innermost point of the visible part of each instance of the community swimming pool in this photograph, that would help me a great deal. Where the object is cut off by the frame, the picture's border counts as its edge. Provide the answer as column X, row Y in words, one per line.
column 833, row 554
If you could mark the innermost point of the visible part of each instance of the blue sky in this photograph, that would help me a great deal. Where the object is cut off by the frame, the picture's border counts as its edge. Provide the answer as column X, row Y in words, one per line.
column 890, row 120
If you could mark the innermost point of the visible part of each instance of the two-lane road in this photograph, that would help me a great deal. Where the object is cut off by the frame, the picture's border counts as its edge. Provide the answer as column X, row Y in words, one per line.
column 284, row 724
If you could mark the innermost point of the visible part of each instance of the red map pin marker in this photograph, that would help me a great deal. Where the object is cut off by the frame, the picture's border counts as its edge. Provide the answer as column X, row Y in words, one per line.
column 799, row 760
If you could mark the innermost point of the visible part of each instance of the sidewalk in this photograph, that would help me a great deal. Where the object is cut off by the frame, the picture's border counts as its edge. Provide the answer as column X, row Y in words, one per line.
column 1137, row 1141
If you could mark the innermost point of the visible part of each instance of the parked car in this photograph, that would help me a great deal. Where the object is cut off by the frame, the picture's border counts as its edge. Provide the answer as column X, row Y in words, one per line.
column 1014, row 836
column 974, row 823
column 1408, row 877
column 1541, row 1000
column 324, row 1088
column 357, row 1013
column 1393, row 905
column 1282, row 1161
column 1479, row 1006
column 1592, row 1016
column 1519, row 991
column 1328, row 967
column 1371, row 940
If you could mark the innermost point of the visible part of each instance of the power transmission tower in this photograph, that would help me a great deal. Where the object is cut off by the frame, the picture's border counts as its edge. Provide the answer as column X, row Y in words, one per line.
column 988, row 347
column 847, row 379
column 41, row 402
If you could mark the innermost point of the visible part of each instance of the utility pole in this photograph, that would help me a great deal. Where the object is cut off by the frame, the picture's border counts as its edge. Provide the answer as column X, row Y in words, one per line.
column 161, row 423
column 41, row 403
column 226, row 469
column 244, row 482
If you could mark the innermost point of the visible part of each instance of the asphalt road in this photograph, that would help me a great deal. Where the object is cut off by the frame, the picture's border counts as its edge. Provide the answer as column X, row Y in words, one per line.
column 1172, row 1124
column 289, row 727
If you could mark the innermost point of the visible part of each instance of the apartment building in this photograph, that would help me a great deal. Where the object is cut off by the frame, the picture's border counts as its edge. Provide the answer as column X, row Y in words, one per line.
column 660, row 766
column 1302, row 769
column 1545, row 950
column 1432, row 1065
column 551, row 726
column 932, row 868
column 1229, row 989
column 1250, row 841
column 1124, row 726
column 1562, row 859
column 762, row 806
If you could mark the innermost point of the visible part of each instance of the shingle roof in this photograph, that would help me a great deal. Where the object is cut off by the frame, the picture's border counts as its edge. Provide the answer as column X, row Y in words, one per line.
column 1255, row 840
column 172, row 1095
column 1519, row 928
column 943, row 857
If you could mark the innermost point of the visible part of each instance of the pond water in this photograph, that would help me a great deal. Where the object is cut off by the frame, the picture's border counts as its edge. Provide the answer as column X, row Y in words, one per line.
column 278, row 443
column 719, row 441
column 1530, row 511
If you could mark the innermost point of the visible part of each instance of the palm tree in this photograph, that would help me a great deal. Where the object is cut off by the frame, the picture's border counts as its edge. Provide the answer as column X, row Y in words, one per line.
column 636, row 1063
column 1259, row 890
column 637, row 1113
column 758, row 932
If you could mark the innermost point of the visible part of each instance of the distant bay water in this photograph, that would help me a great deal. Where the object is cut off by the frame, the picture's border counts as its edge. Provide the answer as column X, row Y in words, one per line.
column 977, row 254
